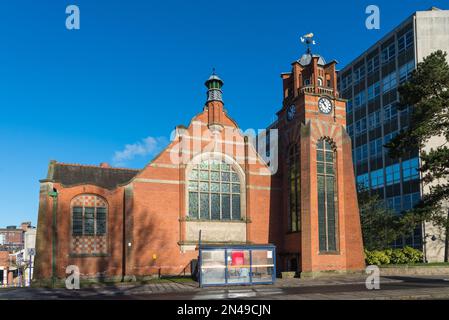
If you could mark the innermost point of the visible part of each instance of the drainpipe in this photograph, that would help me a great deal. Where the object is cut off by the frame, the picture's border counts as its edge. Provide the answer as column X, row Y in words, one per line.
column 54, row 195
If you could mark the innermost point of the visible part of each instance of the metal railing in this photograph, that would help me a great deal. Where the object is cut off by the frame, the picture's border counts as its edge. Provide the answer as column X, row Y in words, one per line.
column 321, row 90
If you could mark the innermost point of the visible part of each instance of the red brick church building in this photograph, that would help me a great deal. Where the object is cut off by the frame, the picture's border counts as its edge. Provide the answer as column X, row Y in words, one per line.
column 211, row 180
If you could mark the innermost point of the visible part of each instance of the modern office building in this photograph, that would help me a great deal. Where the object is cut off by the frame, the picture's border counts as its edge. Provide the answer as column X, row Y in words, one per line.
column 370, row 84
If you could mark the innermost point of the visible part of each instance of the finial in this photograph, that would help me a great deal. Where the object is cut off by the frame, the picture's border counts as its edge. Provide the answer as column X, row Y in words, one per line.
column 213, row 71
column 308, row 40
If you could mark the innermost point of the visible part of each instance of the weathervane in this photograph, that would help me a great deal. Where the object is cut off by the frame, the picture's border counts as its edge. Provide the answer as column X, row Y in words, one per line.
column 308, row 40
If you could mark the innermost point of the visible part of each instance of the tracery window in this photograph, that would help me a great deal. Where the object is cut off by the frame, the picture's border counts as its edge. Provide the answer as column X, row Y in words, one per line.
column 327, row 196
column 214, row 189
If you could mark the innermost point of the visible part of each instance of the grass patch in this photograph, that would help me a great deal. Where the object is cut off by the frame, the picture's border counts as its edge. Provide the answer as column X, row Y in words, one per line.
column 430, row 264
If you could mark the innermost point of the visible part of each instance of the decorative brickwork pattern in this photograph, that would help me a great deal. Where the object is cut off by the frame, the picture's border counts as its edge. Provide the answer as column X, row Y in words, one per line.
column 89, row 244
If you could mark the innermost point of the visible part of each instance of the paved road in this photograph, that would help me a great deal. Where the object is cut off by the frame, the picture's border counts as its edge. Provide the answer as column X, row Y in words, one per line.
column 403, row 288
column 433, row 287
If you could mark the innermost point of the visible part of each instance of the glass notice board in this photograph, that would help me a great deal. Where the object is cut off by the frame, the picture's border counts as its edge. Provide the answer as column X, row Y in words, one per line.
column 237, row 265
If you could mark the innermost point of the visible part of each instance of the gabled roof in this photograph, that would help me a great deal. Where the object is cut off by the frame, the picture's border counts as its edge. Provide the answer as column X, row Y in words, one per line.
column 102, row 176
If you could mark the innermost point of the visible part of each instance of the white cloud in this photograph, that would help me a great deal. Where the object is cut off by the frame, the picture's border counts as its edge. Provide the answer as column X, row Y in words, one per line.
column 149, row 146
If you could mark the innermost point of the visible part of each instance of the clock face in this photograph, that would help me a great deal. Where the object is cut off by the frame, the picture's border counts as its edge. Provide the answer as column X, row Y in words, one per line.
column 325, row 105
column 291, row 111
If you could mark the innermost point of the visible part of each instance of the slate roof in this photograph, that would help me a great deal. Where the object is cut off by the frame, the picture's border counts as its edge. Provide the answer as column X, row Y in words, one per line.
column 306, row 59
column 76, row 174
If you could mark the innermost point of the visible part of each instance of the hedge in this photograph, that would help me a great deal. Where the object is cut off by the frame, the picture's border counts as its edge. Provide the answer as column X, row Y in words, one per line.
column 406, row 255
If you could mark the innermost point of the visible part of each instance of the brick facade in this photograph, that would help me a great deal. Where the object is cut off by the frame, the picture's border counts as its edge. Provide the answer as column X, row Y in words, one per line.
column 148, row 229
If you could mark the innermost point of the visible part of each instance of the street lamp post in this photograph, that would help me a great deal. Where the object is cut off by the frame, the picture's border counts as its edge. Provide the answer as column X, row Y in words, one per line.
column 54, row 195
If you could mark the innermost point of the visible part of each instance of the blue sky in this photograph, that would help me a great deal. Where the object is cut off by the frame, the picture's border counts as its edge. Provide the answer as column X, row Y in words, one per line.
column 137, row 68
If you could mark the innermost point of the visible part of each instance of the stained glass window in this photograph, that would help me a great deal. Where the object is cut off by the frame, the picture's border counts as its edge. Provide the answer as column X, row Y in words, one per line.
column 294, row 185
column 326, row 183
column 214, row 191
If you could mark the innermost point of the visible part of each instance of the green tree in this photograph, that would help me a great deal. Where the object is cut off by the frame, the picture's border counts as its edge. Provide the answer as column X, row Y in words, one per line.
column 428, row 96
column 380, row 225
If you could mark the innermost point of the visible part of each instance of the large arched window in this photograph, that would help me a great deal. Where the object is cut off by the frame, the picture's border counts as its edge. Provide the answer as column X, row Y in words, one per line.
column 89, row 224
column 294, row 188
column 214, row 189
column 327, row 196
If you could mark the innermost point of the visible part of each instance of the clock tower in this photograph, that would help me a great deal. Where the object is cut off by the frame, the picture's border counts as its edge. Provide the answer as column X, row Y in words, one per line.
column 320, row 214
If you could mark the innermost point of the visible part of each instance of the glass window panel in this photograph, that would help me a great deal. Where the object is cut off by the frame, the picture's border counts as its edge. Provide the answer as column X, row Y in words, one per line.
column 236, row 188
column 226, row 206
column 101, row 221
column 215, row 165
column 330, row 214
column 238, row 266
column 89, row 223
column 262, row 265
column 193, row 186
column 225, row 176
column 236, row 207
column 320, row 155
column 329, row 168
column 213, row 267
column 320, row 144
column 225, row 187
column 193, row 205
column 204, row 206
column 204, row 165
column 77, row 223
column 215, row 176
column 235, row 177
column 204, row 186
column 329, row 156
column 215, row 187
column 225, row 167
column 193, row 174
column 321, row 214
column 320, row 167
column 204, row 175
column 215, row 206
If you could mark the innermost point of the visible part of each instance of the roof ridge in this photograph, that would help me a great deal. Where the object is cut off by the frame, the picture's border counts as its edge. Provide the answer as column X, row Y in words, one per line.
column 94, row 166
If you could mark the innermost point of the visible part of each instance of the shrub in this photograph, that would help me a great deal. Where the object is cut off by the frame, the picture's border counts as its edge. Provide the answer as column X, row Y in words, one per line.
column 413, row 255
column 405, row 255
column 398, row 257
column 376, row 257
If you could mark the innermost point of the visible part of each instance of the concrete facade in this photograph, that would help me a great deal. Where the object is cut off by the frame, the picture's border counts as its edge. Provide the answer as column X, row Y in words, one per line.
column 370, row 84
column 432, row 33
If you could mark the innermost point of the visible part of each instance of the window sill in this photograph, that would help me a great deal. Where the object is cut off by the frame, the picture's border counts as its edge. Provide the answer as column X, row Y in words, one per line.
column 208, row 220
column 87, row 255
column 329, row 253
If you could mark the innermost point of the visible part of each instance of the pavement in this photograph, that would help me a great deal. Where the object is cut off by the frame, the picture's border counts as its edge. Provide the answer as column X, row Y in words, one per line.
column 335, row 288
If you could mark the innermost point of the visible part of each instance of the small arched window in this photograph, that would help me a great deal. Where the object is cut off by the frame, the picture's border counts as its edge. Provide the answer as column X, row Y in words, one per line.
column 214, row 191
column 320, row 82
column 327, row 196
column 89, row 224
